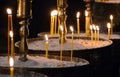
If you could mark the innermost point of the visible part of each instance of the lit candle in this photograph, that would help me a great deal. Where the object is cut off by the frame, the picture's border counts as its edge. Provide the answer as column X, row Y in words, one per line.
column 11, row 62
column 72, row 30
column 12, row 44
column 91, row 31
column 78, row 23
column 98, row 33
column 46, row 37
column 111, row 21
column 52, row 23
column 94, row 27
column 55, row 19
column 108, row 26
column 87, row 22
column 61, row 27
column 9, row 26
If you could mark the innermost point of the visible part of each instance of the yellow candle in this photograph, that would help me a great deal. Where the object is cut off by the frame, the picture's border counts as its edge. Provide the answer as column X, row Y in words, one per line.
column 12, row 44
column 91, row 31
column 11, row 62
column 78, row 23
column 98, row 33
column 46, row 37
column 9, row 26
column 61, row 27
column 52, row 23
column 108, row 26
column 72, row 30
column 87, row 23
column 55, row 20
column 94, row 27
column 111, row 21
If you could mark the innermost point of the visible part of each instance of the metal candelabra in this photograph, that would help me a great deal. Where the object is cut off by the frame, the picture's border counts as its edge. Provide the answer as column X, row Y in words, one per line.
column 24, row 14
column 62, row 17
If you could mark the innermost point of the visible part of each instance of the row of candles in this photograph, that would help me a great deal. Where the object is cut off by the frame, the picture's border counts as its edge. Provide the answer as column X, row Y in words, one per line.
column 53, row 22
column 95, row 33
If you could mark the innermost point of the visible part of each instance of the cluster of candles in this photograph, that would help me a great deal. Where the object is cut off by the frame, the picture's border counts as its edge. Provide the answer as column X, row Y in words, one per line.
column 94, row 31
column 10, row 42
column 61, row 44
column 53, row 22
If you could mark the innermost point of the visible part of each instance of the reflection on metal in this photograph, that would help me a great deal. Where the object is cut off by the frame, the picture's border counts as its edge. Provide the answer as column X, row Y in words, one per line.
column 24, row 14
column 62, row 17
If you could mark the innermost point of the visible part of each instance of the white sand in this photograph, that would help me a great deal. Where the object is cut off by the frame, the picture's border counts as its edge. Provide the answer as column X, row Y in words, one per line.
column 42, row 62
column 78, row 44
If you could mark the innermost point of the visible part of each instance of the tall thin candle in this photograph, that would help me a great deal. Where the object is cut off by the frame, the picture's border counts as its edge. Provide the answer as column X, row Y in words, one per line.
column 98, row 33
column 46, row 37
column 72, row 30
column 52, row 23
column 91, row 32
column 108, row 26
column 9, row 26
column 12, row 44
column 78, row 23
column 61, row 27
column 87, row 23
column 111, row 22
column 55, row 20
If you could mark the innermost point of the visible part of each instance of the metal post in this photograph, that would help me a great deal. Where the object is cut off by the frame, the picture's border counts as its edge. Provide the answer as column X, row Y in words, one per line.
column 24, row 14
column 62, row 17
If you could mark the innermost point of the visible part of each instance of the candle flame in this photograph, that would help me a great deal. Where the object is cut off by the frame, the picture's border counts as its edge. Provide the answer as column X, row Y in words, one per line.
column 54, row 13
column 61, row 27
column 94, row 27
column 9, row 11
column 11, row 62
column 91, row 27
column 78, row 14
column 86, row 13
column 108, row 25
column 46, row 37
column 111, row 17
column 97, row 28
column 71, row 28
column 11, row 34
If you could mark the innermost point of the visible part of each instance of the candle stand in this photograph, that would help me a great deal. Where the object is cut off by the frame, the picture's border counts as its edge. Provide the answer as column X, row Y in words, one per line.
column 24, row 14
column 62, row 17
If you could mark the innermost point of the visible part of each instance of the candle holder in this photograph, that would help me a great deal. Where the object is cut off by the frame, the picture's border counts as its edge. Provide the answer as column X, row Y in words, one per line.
column 62, row 17
column 24, row 14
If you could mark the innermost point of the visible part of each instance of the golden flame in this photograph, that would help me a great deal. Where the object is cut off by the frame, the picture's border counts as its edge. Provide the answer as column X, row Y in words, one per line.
column 46, row 37
column 111, row 17
column 78, row 14
column 108, row 25
column 11, row 62
column 11, row 33
column 86, row 13
column 71, row 28
column 9, row 11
